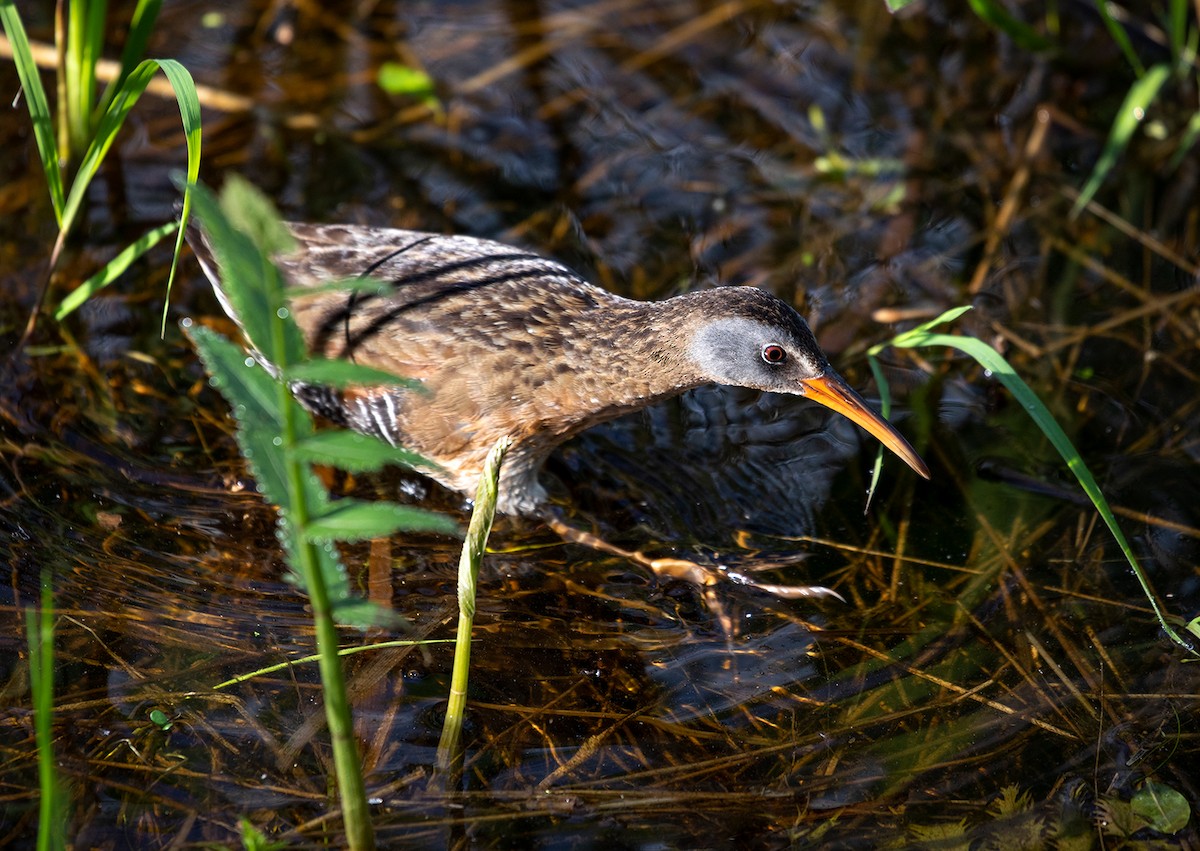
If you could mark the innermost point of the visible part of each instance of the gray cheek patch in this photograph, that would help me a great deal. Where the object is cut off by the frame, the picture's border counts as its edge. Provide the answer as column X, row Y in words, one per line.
column 720, row 347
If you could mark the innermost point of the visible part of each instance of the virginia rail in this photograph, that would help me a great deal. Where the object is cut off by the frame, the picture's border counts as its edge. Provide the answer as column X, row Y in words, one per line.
column 506, row 342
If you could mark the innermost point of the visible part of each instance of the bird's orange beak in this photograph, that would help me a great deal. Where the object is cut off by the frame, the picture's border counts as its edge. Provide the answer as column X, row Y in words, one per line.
column 833, row 392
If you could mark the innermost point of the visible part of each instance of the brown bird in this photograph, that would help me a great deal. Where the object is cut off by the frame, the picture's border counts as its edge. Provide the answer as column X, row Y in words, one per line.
column 507, row 343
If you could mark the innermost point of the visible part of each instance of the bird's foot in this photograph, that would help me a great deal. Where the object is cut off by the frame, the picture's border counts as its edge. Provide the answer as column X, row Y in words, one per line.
column 707, row 578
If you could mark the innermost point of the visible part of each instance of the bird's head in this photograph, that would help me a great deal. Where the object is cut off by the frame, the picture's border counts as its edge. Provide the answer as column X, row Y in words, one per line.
column 748, row 338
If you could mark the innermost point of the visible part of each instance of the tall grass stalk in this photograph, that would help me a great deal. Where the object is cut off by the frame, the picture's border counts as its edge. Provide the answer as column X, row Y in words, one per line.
column 39, row 634
column 923, row 337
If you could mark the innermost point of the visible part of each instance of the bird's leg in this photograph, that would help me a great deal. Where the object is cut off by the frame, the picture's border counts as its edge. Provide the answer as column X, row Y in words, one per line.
column 704, row 577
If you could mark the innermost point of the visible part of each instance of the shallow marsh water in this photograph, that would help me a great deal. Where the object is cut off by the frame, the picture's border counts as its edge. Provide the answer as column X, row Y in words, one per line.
column 994, row 647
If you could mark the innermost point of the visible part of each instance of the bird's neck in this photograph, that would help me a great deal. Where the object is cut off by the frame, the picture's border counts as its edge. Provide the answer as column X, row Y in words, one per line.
column 638, row 358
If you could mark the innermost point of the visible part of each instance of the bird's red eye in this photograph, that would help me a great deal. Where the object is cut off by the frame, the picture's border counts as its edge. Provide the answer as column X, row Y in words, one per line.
column 773, row 354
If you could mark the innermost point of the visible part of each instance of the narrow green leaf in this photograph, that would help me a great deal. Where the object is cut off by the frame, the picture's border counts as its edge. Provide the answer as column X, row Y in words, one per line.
column 141, row 26
column 356, row 453
column 995, row 15
column 39, row 109
column 1120, row 36
column 112, row 270
column 921, row 330
column 355, row 520
column 885, row 400
column 106, row 133
column 85, row 39
column 189, row 113
column 991, row 360
column 1190, row 133
column 343, row 374
column 342, row 652
column 254, row 398
column 1141, row 95
column 894, row 6
column 1177, row 28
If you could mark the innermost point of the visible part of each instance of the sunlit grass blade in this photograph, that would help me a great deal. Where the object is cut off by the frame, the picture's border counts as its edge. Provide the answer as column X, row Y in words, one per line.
column 141, row 26
column 85, row 39
column 1141, row 94
column 885, row 393
column 112, row 270
column 1190, row 134
column 110, row 125
column 39, row 108
column 468, row 578
column 189, row 114
column 994, row 362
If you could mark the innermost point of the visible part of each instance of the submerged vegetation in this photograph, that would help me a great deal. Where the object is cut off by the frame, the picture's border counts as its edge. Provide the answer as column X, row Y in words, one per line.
column 996, row 680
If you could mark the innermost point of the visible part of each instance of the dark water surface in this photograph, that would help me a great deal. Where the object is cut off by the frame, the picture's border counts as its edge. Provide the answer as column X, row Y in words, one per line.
column 995, row 674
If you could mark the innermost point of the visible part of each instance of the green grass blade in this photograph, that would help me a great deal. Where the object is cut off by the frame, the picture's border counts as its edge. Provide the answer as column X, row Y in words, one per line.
column 110, row 125
column 112, row 270
column 141, row 26
column 885, row 390
column 885, row 402
column 1120, row 36
column 468, row 577
column 343, row 652
column 995, row 15
column 1141, row 95
column 1190, row 133
column 1177, row 16
column 85, row 41
column 52, row 805
column 39, row 108
column 189, row 113
column 993, row 361
column 106, row 133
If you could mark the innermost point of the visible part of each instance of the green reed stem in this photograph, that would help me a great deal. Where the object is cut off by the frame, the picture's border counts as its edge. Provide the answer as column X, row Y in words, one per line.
column 39, row 632
column 468, row 578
